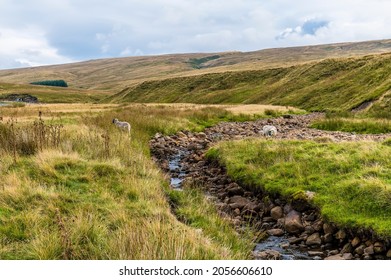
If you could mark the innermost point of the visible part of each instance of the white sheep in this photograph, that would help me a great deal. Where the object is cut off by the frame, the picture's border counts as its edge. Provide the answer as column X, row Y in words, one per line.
column 122, row 125
column 269, row 130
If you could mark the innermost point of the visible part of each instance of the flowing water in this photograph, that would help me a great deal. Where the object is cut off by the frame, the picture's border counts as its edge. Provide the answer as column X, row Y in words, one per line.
column 176, row 170
column 278, row 244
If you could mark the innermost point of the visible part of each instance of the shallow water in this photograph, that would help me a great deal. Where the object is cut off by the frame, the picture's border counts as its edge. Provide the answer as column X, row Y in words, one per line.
column 175, row 167
column 276, row 243
column 271, row 243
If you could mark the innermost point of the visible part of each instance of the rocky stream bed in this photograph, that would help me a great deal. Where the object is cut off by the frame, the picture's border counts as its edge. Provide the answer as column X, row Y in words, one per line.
column 293, row 230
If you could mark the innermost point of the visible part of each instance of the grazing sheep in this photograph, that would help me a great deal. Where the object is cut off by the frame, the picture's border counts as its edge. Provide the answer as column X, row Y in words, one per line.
column 122, row 125
column 269, row 130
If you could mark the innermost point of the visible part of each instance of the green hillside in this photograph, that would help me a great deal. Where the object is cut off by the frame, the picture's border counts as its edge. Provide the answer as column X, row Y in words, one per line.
column 332, row 84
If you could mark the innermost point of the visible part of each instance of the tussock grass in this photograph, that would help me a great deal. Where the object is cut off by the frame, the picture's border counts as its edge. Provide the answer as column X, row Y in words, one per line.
column 98, row 195
column 361, row 126
column 351, row 181
column 317, row 86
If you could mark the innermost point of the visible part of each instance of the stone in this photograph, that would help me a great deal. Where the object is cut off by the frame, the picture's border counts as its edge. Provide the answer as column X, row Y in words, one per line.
column 276, row 212
column 360, row 250
column 253, row 206
column 355, row 242
column 333, row 252
column 317, row 225
column 293, row 222
column 347, row 248
column 328, row 228
column 335, row 258
column 275, row 232
column 201, row 135
column 341, row 235
column 315, row 253
column 234, row 189
column 389, row 254
column 268, row 255
column 295, row 240
column 369, row 250
column 379, row 247
column 347, row 256
column 309, row 230
column 267, row 219
column 238, row 202
column 328, row 237
column 314, row 240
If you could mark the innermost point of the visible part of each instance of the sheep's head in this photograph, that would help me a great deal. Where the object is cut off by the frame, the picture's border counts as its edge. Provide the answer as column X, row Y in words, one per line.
column 115, row 120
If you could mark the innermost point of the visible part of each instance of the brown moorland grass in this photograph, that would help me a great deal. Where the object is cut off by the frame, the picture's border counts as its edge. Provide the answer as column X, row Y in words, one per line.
column 98, row 195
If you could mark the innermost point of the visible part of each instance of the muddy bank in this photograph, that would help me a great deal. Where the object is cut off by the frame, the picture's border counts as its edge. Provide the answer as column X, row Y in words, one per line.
column 287, row 230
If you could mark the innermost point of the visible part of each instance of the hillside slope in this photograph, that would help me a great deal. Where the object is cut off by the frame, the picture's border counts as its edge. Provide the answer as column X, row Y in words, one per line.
column 343, row 83
column 117, row 73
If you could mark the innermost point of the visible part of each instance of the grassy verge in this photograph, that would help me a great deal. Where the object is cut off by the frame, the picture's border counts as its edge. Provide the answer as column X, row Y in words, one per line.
column 352, row 181
column 361, row 126
column 96, row 194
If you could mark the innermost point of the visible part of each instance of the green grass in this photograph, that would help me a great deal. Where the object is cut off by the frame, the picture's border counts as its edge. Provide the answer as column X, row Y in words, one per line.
column 99, row 197
column 352, row 181
column 197, row 63
column 361, row 126
column 53, row 94
column 323, row 85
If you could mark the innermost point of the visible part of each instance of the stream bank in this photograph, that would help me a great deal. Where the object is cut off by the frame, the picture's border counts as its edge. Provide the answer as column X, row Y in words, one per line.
column 287, row 230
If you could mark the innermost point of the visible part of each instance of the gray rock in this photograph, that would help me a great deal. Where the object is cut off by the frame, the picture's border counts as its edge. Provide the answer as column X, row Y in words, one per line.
column 369, row 250
column 293, row 222
column 276, row 213
column 238, row 202
column 234, row 189
column 314, row 240
column 341, row 235
column 315, row 253
column 347, row 256
column 379, row 247
column 295, row 240
column 329, row 228
column 309, row 230
column 333, row 252
column 360, row 250
column 318, row 225
column 355, row 242
column 268, row 255
column 347, row 248
column 335, row 258
column 328, row 237
column 275, row 232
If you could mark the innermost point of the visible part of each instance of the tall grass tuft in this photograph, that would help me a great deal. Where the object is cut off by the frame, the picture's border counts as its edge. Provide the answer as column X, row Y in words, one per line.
column 28, row 139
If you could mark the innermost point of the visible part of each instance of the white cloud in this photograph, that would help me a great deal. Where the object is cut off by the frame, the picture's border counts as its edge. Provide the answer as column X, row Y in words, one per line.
column 25, row 48
column 46, row 31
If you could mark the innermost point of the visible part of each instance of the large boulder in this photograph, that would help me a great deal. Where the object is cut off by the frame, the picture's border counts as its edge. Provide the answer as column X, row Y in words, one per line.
column 293, row 223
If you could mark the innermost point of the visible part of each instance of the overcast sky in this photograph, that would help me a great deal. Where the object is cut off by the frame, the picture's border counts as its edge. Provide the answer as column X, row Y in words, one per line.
column 40, row 32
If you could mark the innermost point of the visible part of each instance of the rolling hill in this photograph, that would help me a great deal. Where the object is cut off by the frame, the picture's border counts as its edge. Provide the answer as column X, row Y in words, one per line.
column 342, row 76
column 116, row 74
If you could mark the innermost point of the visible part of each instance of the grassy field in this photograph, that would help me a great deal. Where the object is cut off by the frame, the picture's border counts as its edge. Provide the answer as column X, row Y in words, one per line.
column 74, row 187
column 356, row 125
column 332, row 84
column 47, row 94
column 115, row 74
column 351, row 181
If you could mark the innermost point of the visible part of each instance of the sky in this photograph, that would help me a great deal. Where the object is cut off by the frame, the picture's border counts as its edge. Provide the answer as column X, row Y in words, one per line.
column 44, row 32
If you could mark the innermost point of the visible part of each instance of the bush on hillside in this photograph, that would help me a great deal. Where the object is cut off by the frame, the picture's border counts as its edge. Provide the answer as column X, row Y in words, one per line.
column 53, row 83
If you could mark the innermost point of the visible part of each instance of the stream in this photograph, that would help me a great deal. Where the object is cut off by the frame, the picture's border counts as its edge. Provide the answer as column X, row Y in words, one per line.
column 293, row 230
column 272, row 243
